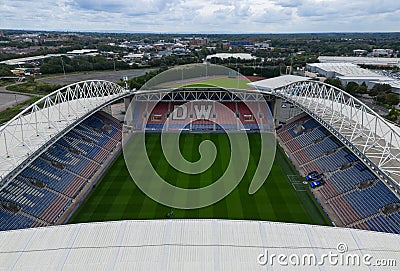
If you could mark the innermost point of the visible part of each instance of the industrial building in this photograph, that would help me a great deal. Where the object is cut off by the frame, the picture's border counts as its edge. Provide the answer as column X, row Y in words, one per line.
column 348, row 72
column 371, row 61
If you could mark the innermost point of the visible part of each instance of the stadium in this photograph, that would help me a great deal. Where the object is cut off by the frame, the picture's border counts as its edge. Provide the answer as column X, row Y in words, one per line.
column 331, row 162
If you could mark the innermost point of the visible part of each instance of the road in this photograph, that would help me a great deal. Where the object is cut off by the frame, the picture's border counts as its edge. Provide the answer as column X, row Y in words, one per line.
column 113, row 76
column 10, row 99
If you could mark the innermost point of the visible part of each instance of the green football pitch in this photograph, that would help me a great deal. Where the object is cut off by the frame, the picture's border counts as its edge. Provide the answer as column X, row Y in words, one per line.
column 283, row 197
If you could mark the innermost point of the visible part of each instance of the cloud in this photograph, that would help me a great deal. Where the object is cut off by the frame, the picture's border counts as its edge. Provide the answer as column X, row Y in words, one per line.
column 137, row 7
column 343, row 8
column 288, row 3
column 240, row 16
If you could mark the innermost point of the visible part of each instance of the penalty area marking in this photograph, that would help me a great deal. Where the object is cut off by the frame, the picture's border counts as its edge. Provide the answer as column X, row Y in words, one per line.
column 297, row 183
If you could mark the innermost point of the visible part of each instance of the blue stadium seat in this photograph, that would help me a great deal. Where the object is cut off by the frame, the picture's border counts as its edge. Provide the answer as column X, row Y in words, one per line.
column 16, row 221
column 46, row 187
column 341, row 188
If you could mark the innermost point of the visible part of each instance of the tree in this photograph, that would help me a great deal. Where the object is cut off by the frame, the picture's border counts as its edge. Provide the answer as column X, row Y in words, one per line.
column 351, row 88
column 362, row 89
column 381, row 97
column 393, row 115
column 380, row 88
column 138, row 82
column 392, row 99
column 334, row 82
column 5, row 71
column 373, row 92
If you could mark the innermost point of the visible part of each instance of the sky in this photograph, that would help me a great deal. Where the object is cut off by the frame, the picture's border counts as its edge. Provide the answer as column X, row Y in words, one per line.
column 199, row 16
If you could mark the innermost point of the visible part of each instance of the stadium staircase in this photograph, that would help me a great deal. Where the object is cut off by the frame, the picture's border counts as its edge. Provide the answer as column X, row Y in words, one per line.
column 34, row 218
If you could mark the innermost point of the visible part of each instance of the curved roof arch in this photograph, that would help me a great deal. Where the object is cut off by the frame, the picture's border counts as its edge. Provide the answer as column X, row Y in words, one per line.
column 369, row 136
column 38, row 125
column 373, row 139
column 198, row 93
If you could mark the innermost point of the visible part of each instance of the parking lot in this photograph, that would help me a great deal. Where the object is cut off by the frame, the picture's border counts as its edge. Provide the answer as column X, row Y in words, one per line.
column 9, row 100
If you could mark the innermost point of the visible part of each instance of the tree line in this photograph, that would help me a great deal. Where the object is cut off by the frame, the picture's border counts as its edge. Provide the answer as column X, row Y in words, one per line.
column 87, row 63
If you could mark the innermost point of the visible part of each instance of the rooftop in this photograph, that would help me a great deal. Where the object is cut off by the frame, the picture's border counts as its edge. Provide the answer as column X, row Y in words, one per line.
column 228, row 55
column 381, row 61
column 186, row 245
column 277, row 82
column 345, row 69
column 32, row 129
column 23, row 60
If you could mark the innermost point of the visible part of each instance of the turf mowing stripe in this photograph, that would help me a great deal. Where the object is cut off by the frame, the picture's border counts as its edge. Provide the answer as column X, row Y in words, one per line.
column 103, row 204
column 117, row 197
column 149, row 207
column 262, row 203
column 286, row 188
column 255, row 145
column 165, row 171
column 220, row 209
column 248, row 205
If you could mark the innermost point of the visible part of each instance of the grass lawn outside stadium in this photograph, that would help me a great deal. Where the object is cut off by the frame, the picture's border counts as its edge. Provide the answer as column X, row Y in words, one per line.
column 116, row 196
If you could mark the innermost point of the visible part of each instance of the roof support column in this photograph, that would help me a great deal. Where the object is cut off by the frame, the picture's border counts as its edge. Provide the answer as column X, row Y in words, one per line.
column 5, row 144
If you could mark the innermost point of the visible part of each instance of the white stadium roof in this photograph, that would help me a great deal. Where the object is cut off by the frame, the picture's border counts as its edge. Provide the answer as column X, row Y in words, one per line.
column 50, row 116
column 277, row 82
column 189, row 245
column 50, row 122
